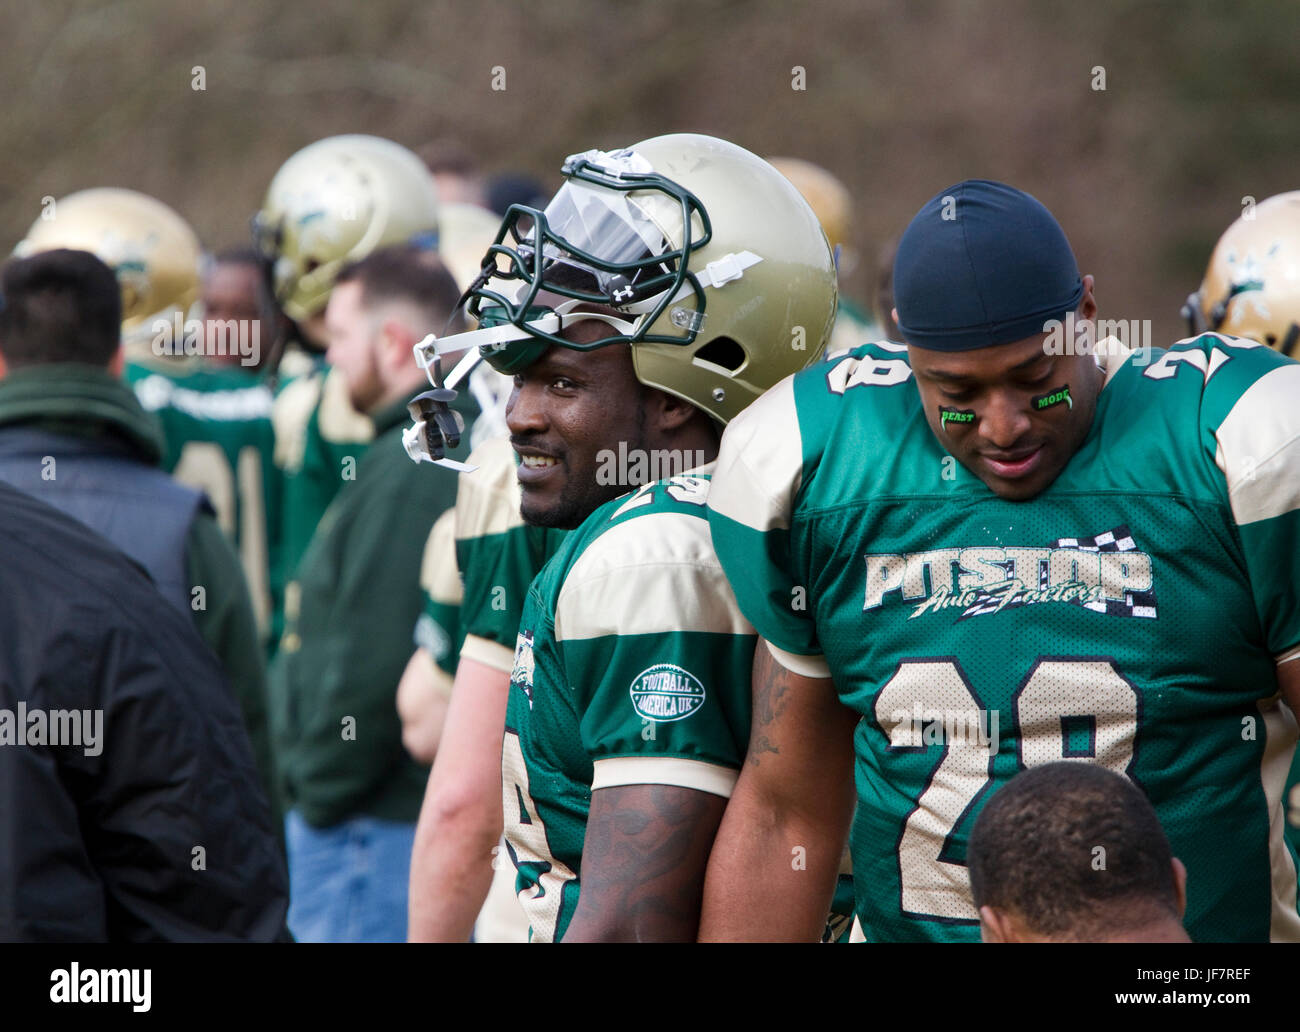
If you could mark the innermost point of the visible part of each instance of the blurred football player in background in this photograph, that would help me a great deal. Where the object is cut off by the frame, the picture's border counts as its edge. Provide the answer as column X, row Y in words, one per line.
column 73, row 434
column 236, row 304
column 1073, row 852
column 216, row 424
column 331, row 203
column 1251, row 288
column 458, row 847
column 974, row 519
column 354, row 791
column 831, row 201
column 654, row 247
column 425, row 688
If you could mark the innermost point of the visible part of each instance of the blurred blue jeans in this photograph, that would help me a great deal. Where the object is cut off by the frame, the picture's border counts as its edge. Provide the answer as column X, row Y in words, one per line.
column 348, row 882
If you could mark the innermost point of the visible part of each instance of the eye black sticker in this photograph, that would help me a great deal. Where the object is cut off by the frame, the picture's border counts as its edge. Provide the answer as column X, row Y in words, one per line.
column 953, row 415
column 1045, row 401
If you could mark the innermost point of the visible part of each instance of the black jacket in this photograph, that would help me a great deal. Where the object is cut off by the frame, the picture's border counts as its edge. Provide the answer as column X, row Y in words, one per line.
column 158, row 828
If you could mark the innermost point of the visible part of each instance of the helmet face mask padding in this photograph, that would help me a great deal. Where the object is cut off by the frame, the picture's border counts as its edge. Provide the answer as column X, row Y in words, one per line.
column 698, row 254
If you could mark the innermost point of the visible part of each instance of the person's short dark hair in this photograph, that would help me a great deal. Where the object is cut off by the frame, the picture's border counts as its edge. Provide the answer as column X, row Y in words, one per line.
column 1074, row 850
column 251, row 258
column 449, row 155
column 59, row 306
column 507, row 188
column 411, row 275
column 239, row 256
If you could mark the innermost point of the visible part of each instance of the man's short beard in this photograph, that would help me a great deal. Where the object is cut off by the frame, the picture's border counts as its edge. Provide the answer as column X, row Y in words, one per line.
column 571, row 509
column 566, row 515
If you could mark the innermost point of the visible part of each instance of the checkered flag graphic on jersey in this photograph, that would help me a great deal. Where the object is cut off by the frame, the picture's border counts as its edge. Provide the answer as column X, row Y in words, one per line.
column 1134, row 603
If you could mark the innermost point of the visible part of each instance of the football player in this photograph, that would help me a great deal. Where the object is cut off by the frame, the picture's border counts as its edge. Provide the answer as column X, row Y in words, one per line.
column 241, row 324
column 425, row 687
column 458, row 850
column 1073, row 852
column 331, row 203
column 1251, row 288
column 646, row 306
column 986, row 550
column 216, row 422
column 355, row 792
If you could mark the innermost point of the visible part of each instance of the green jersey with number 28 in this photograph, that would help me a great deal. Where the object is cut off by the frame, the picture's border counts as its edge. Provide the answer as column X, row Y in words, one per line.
column 1130, row 615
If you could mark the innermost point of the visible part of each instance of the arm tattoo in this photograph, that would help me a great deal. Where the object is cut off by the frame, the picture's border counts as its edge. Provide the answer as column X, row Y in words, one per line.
column 643, row 860
column 771, row 683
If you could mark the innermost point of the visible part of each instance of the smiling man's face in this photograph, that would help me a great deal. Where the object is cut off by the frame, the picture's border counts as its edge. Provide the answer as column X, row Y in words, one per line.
column 565, row 409
column 1007, row 421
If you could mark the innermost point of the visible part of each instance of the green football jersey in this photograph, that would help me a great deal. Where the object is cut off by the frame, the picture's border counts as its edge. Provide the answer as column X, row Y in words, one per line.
column 438, row 629
column 631, row 667
column 217, row 427
column 497, row 553
column 1130, row 615
column 319, row 441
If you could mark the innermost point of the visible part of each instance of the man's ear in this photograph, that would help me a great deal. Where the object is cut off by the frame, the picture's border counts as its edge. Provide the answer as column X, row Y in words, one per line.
column 1180, row 885
column 396, row 342
column 667, row 413
column 117, row 363
column 1088, row 303
column 994, row 926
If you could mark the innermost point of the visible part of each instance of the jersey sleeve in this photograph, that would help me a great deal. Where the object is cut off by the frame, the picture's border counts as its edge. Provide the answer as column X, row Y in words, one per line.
column 498, row 555
column 1251, row 425
column 758, row 477
column 437, row 630
column 652, row 640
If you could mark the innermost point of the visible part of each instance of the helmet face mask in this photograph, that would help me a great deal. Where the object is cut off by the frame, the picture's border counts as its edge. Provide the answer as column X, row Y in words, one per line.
column 616, row 235
column 695, row 252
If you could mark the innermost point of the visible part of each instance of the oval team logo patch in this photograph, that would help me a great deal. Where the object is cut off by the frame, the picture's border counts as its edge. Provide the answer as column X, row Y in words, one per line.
column 666, row 692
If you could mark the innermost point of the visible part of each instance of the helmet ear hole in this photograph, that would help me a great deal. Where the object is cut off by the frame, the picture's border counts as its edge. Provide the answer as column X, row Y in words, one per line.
column 723, row 352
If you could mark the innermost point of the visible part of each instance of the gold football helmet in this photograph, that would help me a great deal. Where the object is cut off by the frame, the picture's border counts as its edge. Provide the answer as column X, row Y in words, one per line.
column 153, row 251
column 715, row 268
column 333, row 202
column 1252, row 286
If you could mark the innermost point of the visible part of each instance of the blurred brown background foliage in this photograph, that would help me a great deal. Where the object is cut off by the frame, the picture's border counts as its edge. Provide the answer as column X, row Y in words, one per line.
column 1201, row 105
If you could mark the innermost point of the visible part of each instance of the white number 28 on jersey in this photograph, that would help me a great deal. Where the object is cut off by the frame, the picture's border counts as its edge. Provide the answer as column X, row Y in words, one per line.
column 1059, row 695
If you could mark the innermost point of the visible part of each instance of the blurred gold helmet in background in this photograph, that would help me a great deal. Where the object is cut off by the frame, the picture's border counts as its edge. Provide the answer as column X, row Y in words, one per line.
column 152, row 250
column 334, row 202
column 1252, row 286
